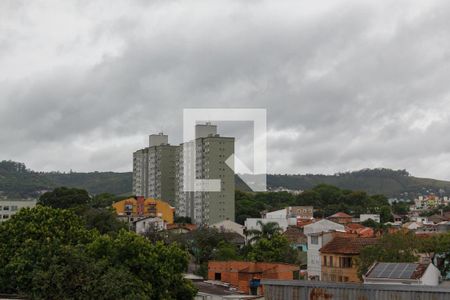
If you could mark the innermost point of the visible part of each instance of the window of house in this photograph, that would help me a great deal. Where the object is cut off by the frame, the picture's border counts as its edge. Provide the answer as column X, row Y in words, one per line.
column 331, row 262
column 324, row 260
column 14, row 207
column 5, row 207
column 345, row 262
column 314, row 240
column 345, row 278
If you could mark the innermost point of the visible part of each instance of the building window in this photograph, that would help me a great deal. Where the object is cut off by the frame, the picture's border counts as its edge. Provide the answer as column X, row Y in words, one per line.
column 346, row 262
column 314, row 240
column 5, row 207
column 331, row 262
column 324, row 260
column 218, row 276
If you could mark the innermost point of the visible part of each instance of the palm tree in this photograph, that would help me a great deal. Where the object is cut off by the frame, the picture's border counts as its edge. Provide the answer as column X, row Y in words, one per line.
column 267, row 230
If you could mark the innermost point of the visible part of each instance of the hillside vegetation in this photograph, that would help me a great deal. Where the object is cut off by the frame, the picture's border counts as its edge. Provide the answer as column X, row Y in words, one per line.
column 16, row 181
column 392, row 183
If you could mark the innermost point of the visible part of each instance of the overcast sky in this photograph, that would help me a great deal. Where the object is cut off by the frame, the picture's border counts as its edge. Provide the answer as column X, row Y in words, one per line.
column 346, row 84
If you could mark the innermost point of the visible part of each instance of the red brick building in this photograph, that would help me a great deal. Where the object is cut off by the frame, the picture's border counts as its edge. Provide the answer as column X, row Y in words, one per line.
column 246, row 276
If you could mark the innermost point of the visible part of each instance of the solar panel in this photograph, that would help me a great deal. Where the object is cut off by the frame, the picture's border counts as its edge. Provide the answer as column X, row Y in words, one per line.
column 393, row 270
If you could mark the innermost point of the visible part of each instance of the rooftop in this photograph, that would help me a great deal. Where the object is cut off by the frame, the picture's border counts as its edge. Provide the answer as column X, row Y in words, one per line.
column 340, row 215
column 397, row 271
column 347, row 245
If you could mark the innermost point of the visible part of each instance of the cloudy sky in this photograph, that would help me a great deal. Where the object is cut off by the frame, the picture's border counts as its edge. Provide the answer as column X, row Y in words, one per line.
column 346, row 84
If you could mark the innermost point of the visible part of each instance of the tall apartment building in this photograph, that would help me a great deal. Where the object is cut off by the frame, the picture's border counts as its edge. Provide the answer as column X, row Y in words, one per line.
column 211, row 151
column 159, row 171
column 154, row 169
column 140, row 172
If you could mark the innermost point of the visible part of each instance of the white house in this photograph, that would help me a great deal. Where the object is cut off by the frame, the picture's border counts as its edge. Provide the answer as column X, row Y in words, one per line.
column 11, row 207
column 412, row 225
column 144, row 224
column 252, row 223
column 403, row 274
column 318, row 236
column 365, row 217
column 229, row 226
column 323, row 225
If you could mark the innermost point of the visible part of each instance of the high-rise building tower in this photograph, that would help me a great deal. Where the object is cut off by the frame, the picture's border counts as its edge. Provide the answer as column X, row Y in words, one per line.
column 168, row 173
column 211, row 152
column 161, row 168
column 154, row 169
column 140, row 172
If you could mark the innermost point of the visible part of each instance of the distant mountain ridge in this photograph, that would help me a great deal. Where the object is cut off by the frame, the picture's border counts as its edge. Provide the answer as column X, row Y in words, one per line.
column 16, row 181
column 391, row 183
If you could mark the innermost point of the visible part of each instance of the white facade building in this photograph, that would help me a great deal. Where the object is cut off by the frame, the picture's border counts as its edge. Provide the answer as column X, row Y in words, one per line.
column 318, row 236
column 365, row 217
column 143, row 225
column 11, row 207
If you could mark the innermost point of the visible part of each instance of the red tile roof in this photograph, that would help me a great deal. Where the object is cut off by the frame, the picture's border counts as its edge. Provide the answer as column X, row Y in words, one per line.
column 295, row 235
column 340, row 215
column 347, row 245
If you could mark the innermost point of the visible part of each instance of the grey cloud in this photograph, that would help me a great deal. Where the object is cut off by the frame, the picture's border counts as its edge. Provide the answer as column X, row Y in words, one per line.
column 348, row 80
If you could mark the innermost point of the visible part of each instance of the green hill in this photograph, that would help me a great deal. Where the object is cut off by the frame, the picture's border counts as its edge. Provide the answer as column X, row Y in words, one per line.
column 16, row 181
column 373, row 181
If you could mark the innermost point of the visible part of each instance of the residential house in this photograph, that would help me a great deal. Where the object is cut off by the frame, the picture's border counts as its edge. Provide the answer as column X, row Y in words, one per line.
column 338, row 257
column 246, row 276
column 229, row 226
column 397, row 218
column 341, row 218
column 365, row 217
column 316, row 239
column 181, row 228
column 412, row 225
column 436, row 218
column 296, row 238
column 141, row 226
column 323, row 225
column 359, row 230
column 133, row 209
column 403, row 274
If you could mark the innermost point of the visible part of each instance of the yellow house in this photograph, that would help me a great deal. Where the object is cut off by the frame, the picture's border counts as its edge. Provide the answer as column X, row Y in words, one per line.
column 139, row 207
column 338, row 257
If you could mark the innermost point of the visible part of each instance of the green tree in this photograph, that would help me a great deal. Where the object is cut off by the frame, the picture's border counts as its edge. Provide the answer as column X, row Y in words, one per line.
column 48, row 253
column 226, row 251
column 396, row 247
column 275, row 249
column 103, row 200
column 65, row 198
column 267, row 231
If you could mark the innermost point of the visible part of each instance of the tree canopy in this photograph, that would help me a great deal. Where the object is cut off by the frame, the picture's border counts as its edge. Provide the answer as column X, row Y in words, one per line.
column 326, row 199
column 48, row 253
